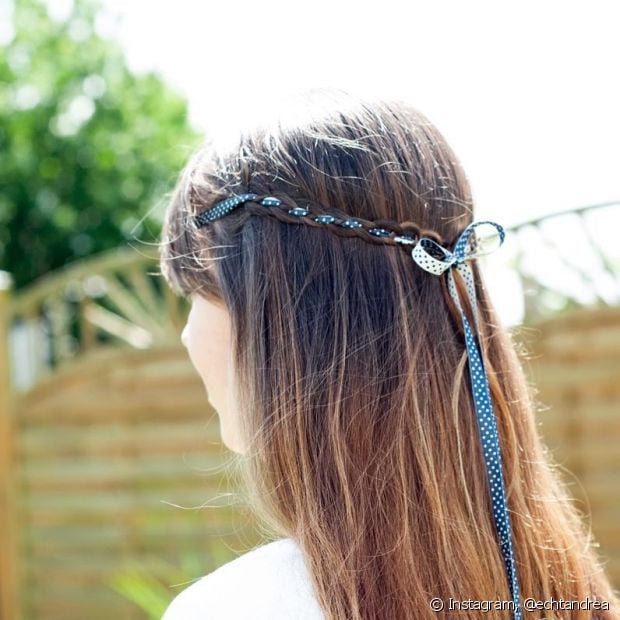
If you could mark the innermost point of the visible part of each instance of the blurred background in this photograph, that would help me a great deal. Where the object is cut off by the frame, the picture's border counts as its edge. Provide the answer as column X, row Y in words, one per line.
column 115, row 491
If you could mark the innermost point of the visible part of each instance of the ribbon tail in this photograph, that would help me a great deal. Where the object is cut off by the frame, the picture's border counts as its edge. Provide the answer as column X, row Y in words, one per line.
column 487, row 427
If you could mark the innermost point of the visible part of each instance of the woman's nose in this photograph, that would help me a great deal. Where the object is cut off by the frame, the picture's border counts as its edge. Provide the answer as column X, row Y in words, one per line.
column 184, row 337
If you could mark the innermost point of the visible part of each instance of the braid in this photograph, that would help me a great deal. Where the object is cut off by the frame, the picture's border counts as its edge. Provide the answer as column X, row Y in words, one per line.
column 287, row 210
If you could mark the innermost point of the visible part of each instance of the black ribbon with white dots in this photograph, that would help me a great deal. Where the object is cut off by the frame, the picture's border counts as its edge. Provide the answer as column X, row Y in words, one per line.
column 224, row 207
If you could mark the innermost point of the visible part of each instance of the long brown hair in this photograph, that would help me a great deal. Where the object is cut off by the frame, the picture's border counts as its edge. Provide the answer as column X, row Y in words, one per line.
column 352, row 379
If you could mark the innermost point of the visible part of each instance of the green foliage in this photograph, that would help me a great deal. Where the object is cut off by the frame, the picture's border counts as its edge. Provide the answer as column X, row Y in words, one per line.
column 152, row 588
column 87, row 149
column 149, row 588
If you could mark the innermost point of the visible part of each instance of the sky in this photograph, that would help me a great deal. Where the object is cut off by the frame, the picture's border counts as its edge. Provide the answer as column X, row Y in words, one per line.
column 526, row 93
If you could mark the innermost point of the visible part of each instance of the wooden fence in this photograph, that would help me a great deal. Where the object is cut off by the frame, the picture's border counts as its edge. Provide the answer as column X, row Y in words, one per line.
column 103, row 438
column 109, row 429
column 575, row 366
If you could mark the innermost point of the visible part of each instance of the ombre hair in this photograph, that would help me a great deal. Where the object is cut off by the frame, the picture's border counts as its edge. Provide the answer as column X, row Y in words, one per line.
column 351, row 370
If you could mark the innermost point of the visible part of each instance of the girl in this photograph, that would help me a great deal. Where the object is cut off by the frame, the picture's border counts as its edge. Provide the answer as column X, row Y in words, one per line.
column 344, row 376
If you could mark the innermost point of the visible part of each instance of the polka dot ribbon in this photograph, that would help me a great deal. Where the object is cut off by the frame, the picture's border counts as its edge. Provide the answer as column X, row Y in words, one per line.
column 435, row 259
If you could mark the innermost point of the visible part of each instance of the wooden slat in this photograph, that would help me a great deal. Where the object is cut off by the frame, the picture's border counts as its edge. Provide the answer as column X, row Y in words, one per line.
column 200, row 442
column 175, row 530
column 144, row 467
column 117, row 259
column 131, row 307
column 99, row 364
column 555, row 372
column 9, row 559
column 119, row 439
column 170, row 406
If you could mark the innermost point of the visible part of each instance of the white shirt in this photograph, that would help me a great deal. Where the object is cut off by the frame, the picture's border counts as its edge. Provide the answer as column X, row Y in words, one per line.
column 270, row 582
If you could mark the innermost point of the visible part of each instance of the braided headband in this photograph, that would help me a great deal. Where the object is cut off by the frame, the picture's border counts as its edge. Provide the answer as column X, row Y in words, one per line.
column 435, row 259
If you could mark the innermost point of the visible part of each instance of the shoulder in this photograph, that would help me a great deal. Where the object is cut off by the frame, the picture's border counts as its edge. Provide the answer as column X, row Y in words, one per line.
column 269, row 582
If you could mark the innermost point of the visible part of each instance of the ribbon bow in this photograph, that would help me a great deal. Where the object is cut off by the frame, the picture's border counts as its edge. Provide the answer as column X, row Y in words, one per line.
column 436, row 259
